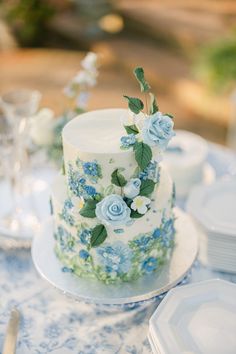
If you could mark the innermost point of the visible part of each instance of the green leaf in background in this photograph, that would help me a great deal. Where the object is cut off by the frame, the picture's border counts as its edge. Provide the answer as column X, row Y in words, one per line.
column 147, row 187
column 135, row 215
column 88, row 210
column 153, row 104
column 118, row 179
column 135, row 104
column 143, row 154
column 169, row 115
column 139, row 74
column 131, row 129
column 98, row 235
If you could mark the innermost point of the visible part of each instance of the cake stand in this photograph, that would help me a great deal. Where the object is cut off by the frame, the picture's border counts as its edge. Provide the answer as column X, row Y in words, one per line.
column 94, row 291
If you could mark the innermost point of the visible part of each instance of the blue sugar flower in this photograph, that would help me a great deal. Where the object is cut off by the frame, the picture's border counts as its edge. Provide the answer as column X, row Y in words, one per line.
column 116, row 258
column 65, row 238
column 85, row 236
column 128, row 140
column 156, row 233
column 91, row 191
column 113, row 211
column 150, row 264
column 91, row 168
column 158, row 130
column 84, row 254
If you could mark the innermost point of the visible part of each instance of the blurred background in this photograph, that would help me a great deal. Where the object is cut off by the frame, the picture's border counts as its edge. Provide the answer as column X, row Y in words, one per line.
column 187, row 48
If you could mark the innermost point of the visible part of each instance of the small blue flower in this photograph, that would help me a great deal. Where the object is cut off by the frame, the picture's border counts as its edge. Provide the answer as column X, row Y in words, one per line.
column 90, row 190
column 91, row 168
column 82, row 180
column 68, row 204
column 156, row 233
column 150, row 264
column 85, row 236
column 65, row 238
column 128, row 140
column 83, row 254
column 116, row 258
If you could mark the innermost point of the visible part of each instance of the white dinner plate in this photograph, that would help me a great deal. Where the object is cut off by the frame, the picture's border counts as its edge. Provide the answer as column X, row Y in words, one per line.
column 198, row 318
column 214, row 206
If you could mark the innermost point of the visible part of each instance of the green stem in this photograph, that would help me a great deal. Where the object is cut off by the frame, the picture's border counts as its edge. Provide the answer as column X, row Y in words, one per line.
column 146, row 103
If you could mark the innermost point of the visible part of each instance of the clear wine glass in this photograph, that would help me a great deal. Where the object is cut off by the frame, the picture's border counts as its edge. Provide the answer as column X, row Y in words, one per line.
column 18, row 107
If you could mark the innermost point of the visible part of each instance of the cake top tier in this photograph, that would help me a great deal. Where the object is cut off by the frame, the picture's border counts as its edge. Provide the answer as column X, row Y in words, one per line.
column 97, row 131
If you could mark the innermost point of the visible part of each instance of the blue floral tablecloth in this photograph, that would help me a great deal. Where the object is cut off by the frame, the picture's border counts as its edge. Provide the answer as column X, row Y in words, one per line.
column 53, row 323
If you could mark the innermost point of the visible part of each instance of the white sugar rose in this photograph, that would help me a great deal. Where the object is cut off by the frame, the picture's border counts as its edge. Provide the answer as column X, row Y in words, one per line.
column 132, row 188
column 113, row 211
column 158, row 130
column 41, row 128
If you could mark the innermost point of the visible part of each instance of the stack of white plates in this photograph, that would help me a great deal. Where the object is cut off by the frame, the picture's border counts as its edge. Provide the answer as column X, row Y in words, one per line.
column 185, row 159
column 214, row 209
column 196, row 319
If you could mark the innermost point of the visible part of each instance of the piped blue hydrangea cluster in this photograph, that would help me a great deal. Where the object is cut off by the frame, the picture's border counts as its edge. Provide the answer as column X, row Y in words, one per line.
column 116, row 258
column 85, row 236
column 66, row 213
column 90, row 170
column 78, row 184
column 65, row 239
column 152, row 171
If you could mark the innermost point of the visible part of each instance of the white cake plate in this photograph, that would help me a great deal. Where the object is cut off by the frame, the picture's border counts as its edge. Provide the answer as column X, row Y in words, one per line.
column 145, row 288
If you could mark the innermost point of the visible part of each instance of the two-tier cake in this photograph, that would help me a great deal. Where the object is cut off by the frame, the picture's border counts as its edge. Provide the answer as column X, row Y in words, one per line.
column 113, row 209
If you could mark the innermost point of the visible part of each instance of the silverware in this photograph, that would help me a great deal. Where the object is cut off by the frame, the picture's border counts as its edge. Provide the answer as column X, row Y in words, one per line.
column 9, row 345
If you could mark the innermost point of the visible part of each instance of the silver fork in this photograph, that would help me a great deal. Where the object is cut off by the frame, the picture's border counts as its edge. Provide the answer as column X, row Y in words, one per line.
column 9, row 345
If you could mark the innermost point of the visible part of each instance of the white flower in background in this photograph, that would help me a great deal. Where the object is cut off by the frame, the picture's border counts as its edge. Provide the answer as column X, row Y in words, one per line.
column 82, row 100
column 140, row 204
column 89, row 63
column 41, row 128
column 84, row 78
column 69, row 91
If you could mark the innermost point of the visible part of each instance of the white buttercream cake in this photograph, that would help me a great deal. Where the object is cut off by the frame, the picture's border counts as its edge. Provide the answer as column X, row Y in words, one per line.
column 113, row 209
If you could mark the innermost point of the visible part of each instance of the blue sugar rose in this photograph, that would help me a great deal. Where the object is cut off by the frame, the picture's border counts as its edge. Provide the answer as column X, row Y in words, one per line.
column 158, row 130
column 112, row 210
column 132, row 188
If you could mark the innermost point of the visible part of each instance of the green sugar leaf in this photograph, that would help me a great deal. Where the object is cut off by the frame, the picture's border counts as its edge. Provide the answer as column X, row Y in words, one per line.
column 131, row 129
column 135, row 215
column 143, row 154
column 88, row 210
column 118, row 179
column 98, row 235
column 147, row 187
column 139, row 74
column 169, row 115
column 153, row 104
column 135, row 104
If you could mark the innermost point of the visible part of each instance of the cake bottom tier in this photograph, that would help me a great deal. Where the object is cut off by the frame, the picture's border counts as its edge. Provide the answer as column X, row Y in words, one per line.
column 123, row 256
